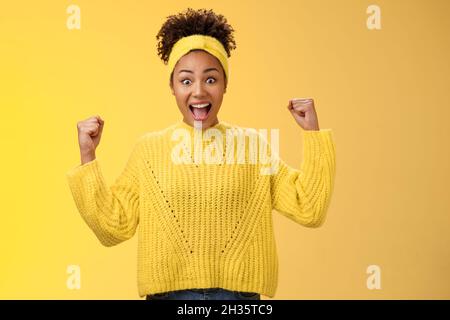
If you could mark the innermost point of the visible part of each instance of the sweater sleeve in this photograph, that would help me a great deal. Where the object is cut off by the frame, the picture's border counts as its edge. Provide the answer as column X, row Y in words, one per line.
column 304, row 195
column 112, row 212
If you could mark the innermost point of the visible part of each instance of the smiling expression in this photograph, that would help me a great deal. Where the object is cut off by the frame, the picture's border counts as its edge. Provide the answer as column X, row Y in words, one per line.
column 199, row 80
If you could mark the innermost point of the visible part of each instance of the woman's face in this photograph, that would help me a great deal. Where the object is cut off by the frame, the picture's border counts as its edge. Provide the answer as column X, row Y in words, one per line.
column 198, row 78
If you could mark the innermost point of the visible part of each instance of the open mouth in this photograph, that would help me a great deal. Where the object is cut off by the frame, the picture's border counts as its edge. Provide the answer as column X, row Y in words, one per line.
column 200, row 112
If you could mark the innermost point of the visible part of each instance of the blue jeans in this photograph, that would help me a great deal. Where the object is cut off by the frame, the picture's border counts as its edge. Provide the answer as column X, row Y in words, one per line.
column 205, row 294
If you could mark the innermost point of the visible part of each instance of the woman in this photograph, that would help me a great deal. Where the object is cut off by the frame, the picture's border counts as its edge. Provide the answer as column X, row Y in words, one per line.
column 204, row 213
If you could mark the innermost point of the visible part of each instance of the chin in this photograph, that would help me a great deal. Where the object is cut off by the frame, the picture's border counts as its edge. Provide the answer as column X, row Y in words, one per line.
column 206, row 121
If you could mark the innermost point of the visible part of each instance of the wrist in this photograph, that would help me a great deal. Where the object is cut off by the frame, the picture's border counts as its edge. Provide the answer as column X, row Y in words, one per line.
column 87, row 156
column 312, row 129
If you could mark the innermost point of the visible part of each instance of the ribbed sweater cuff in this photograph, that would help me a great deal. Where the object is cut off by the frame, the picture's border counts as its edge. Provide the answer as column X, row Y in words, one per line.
column 82, row 167
column 318, row 167
column 317, row 145
column 84, row 180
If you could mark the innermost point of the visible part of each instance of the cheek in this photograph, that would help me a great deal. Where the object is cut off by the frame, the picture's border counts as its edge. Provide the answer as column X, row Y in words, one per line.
column 219, row 97
column 181, row 97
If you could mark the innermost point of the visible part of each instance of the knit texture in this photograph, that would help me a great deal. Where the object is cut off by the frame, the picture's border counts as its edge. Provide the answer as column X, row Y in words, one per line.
column 204, row 225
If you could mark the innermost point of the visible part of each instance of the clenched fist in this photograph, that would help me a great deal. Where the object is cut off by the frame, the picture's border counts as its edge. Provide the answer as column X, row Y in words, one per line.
column 304, row 113
column 89, row 135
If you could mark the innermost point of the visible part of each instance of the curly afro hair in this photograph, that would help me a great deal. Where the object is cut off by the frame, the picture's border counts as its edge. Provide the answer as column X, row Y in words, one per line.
column 190, row 22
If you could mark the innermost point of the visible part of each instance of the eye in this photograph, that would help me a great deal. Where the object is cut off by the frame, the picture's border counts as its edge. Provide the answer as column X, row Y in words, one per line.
column 184, row 80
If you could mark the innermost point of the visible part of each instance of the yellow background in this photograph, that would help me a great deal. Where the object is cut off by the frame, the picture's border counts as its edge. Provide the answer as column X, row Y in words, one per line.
column 385, row 94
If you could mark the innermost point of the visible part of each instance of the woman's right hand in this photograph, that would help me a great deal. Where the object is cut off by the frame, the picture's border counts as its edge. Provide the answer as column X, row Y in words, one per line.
column 89, row 135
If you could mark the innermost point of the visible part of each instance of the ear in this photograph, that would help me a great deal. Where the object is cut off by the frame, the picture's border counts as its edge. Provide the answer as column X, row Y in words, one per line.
column 171, row 87
column 171, row 83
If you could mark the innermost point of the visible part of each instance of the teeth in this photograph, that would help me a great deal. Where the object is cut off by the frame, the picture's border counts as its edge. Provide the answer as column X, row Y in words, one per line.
column 200, row 105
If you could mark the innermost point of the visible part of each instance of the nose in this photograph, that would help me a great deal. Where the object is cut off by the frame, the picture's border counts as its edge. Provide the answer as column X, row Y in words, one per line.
column 198, row 89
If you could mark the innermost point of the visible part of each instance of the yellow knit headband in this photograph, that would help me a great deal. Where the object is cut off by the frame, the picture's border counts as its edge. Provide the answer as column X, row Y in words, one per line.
column 198, row 41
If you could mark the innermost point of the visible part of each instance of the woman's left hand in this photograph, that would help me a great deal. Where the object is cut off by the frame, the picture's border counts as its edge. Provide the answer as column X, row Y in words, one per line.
column 303, row 111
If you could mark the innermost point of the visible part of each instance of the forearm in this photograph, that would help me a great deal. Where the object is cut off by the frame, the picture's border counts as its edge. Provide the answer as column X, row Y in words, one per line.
column 111, row 212
column 304, row 195
column 87, row 156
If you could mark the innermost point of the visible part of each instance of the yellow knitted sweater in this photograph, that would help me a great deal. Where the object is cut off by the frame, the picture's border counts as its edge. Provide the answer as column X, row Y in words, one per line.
column 204, row 225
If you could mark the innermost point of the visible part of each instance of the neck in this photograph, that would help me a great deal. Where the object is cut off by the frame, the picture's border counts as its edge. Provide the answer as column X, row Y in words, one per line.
column 197, row 124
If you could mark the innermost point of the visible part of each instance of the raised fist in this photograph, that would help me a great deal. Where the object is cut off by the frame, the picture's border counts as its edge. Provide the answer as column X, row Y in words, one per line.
column 89, row 134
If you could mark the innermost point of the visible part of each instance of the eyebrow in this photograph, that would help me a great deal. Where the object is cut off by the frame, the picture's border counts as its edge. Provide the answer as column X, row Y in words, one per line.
column 204, row 71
